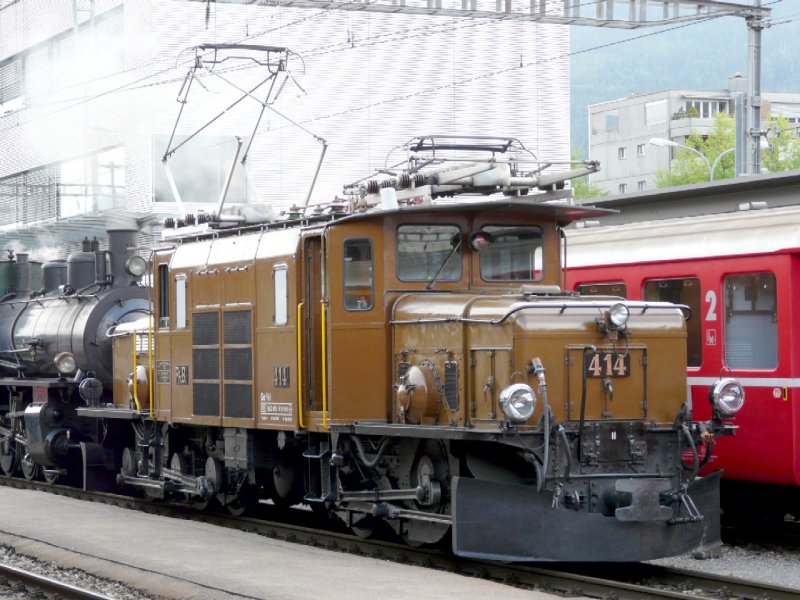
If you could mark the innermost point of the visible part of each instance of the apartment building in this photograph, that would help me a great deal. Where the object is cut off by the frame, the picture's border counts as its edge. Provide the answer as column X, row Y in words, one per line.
column 620, row 131
column 88, row 92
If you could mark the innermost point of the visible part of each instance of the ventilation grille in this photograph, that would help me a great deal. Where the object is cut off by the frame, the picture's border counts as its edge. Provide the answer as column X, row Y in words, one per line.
column 238, row 364
column 205, row 329
column 205, row 399
column 239, row 400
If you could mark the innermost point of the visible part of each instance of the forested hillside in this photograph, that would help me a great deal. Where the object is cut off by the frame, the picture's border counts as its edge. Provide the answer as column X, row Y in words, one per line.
column 610, row 64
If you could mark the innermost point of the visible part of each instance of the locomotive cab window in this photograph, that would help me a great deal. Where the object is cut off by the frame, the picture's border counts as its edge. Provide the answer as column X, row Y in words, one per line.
column 681, row 291
column 510, row 253
column 163, row 295
column 279, row 275
column 180, row 301
column 358, row 277
column 751, row 321
column 429, row 253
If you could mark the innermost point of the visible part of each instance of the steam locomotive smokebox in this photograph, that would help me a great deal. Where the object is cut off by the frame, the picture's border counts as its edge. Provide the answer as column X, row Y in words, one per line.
column 54, row 275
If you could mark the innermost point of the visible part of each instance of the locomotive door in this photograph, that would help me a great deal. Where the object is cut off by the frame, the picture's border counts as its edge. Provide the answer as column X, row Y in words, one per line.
column 312, row 324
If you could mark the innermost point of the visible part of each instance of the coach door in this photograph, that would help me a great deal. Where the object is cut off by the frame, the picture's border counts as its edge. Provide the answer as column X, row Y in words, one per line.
column 312, row 323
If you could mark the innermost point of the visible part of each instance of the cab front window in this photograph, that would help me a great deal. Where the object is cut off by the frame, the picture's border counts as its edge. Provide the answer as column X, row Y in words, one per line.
column 511, row 253
column 429, row 252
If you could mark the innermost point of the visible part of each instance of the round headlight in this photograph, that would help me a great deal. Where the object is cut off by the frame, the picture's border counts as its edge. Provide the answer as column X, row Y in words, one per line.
column 618, row 315
column 727, row 396
column 65, row 363
column 518, row 402
column 136, row 266
column 480, row 241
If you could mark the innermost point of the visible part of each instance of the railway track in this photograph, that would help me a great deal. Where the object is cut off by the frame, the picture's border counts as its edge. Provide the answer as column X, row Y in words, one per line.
column 608, row 581
column 33, row 583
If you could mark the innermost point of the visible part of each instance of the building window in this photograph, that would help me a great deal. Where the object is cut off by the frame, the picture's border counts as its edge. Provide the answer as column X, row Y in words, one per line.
column 681, row 291
column 358, row 277
column 751, row 321
column 621, row 152
column 11, row 71
column 705, row 108
column 612, row 122
column 93, row 183
column 640, row 149
column 623, row 188
column 199, row 169
column 655, row 112
column 642, row 186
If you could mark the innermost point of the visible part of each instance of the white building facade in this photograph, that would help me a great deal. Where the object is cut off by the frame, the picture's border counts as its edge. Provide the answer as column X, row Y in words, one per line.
column 88, row 101
column 620, row 130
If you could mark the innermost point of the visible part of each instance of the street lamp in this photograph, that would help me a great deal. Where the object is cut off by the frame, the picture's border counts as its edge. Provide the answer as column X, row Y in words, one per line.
column 661, row 142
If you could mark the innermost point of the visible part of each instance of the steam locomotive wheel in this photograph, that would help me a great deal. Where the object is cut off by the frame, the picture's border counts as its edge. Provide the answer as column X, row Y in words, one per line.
column 30, row 469
column 9, row 457
column 51, row 476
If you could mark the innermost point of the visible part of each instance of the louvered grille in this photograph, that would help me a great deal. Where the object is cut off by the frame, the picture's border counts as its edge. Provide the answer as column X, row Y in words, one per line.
column 238, row 364
column 237, row 327
column 239, row 400
column 206, row 363
column 205, row 329
column 205, row 399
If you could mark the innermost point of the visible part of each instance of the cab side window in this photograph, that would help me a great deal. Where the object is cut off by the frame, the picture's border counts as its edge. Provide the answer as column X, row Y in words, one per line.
column 359, row 283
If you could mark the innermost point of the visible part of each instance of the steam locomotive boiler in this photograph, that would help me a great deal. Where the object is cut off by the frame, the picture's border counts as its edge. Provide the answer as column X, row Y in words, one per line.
column 62, row 329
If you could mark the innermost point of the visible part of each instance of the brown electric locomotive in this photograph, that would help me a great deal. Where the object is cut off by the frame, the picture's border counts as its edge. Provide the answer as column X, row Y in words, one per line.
column 407, row 359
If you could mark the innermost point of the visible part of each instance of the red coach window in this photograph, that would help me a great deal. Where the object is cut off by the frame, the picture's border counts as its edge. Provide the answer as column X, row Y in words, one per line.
column 681, row 291
column 751, row 321
column 603, row 289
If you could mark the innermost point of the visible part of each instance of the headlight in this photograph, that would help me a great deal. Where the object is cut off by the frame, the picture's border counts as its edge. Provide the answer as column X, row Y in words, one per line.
column 618, row 315
column 65, row 363
column 518, row 402
column 136, row 266
column 727, row 396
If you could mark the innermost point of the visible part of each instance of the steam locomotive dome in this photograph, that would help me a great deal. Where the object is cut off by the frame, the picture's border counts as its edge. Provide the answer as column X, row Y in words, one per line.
column 79, row 302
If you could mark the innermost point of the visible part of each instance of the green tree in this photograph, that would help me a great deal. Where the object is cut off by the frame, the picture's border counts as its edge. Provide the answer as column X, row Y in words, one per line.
column 687, row 167
column 581, row 188
column 784, row 151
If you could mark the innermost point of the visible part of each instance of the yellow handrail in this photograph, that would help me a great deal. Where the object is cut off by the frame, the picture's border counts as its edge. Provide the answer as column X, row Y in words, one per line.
column 150, row 383
column 135, row 381
column 299, row 365
column 323, row 343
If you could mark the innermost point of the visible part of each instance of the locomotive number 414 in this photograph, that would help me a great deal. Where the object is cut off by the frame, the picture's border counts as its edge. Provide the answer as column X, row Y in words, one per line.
column 607, row 364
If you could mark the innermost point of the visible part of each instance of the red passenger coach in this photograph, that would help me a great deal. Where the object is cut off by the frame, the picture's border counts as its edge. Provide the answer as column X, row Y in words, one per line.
column 739, row 273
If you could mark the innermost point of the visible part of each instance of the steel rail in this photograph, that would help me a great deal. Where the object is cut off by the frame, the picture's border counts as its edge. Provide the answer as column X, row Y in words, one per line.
column 49, row 585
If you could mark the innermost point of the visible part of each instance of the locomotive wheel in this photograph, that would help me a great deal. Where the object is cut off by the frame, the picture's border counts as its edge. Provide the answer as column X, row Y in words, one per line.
column 30, row 469
column 9, row 458
column 431, row 469
column 241, row 503
column 51, row 476
column 287, row 480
